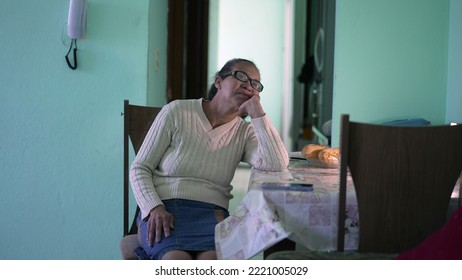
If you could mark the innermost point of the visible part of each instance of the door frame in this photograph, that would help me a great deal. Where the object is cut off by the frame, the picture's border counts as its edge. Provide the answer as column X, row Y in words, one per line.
column 187, row 49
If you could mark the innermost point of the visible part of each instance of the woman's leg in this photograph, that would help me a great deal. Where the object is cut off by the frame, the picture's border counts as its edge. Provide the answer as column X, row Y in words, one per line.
column 177, row 255
column 207, row 255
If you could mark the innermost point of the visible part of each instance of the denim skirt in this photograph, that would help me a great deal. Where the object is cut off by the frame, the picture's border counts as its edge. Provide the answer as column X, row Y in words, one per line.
column 194, row 229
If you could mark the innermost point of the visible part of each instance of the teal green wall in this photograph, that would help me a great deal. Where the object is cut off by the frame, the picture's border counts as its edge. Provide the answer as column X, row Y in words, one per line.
column 454, row 101
column 61, row 141
column 157, row 52
column 390, row 60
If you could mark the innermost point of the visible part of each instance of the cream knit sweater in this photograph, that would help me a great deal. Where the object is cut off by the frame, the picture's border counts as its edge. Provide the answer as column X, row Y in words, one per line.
column 184, row 157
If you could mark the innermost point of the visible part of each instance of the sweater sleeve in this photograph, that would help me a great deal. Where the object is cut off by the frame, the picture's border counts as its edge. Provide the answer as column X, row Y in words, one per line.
column 265, row 149
column 146, row 161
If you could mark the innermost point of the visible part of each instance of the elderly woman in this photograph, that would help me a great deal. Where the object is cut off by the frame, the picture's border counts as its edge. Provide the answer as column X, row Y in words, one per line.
column 181, row 175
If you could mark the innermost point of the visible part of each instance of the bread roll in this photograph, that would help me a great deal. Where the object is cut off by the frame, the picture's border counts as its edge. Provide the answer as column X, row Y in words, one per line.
column 330, row 155
column 312, row 150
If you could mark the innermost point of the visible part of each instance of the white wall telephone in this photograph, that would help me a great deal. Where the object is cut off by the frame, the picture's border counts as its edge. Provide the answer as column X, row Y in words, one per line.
column 76, row 27
column 77, row 19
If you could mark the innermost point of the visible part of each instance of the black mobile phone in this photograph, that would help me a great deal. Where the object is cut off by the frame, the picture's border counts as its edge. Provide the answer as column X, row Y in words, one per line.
column 306, row 185
column 292, row 186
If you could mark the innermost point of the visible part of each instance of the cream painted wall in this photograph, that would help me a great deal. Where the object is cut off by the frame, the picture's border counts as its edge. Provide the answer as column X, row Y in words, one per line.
column 253, row 30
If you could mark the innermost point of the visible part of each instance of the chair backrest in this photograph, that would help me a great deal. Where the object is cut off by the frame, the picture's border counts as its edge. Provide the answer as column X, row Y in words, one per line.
column 403, row 178
column 137, row 121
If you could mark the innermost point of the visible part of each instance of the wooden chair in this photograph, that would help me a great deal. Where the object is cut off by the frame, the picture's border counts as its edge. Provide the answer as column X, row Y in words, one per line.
column 137, row 121
column 403, row 178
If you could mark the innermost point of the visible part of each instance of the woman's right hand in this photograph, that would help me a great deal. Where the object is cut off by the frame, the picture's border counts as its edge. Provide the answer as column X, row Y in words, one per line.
column 160, row 220
column 252, row 107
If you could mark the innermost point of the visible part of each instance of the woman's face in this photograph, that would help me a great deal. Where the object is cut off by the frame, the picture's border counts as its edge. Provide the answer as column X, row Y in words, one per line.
column 233, row 89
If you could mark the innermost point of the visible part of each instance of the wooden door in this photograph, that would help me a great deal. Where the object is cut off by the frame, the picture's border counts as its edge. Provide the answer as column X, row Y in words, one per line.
column 187, row 50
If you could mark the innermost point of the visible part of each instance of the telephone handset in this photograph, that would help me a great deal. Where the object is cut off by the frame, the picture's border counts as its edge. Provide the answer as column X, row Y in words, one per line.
column 76, row 27
column 77, row 20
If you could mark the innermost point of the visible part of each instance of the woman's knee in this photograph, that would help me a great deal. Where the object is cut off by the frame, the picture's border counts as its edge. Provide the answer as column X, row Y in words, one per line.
column 177, row 255
column 207, row 255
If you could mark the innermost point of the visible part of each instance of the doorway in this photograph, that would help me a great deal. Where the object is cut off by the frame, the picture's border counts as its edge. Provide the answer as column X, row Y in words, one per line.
column 204, row 34
column 313, row 95
column 187, row 49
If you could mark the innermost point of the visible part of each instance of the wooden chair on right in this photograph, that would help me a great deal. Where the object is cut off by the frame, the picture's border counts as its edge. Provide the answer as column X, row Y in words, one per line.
column 403, row 178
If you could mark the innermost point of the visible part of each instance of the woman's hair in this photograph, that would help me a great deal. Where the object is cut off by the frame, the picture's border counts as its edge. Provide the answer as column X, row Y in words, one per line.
column 226, row 69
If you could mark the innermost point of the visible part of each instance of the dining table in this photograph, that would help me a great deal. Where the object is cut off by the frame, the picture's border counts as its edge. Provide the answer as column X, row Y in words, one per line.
column 270, row 214
column 265, row 217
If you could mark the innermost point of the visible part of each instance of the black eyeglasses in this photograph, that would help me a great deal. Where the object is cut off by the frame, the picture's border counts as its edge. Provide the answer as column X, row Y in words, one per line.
column 243, row 77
